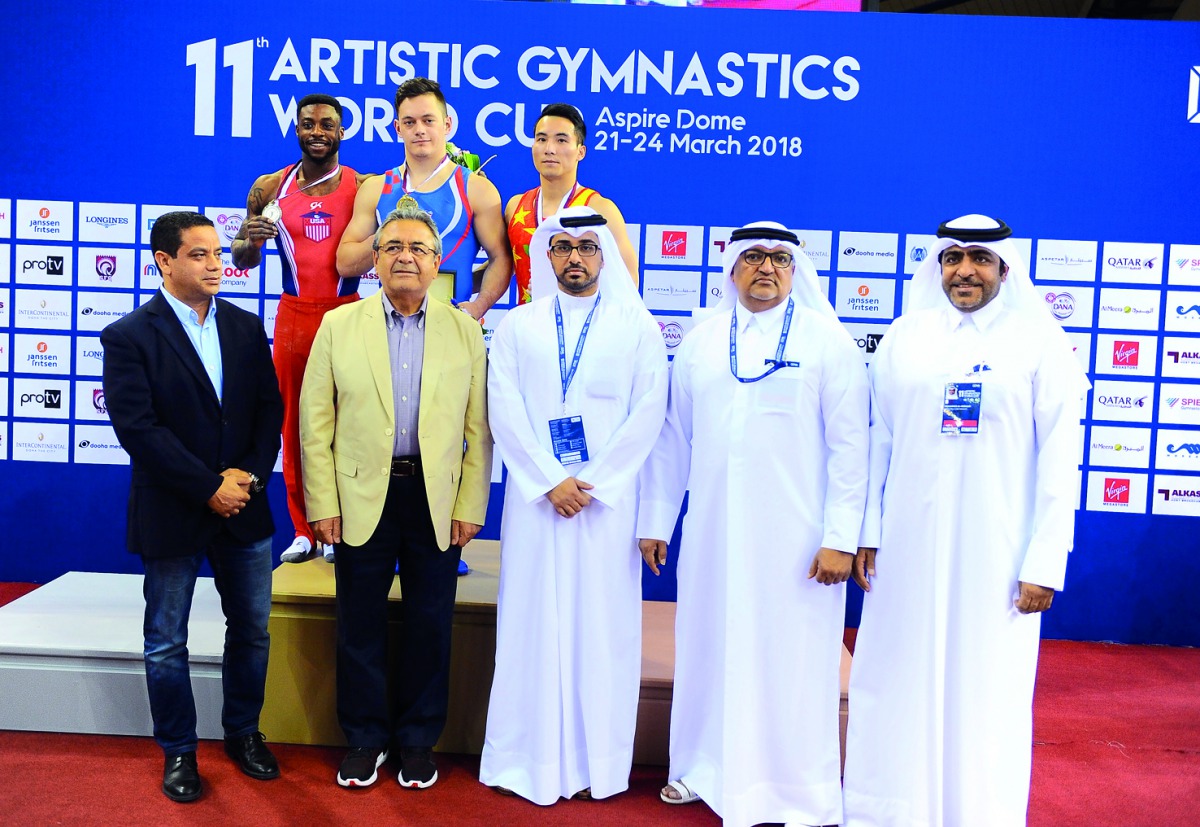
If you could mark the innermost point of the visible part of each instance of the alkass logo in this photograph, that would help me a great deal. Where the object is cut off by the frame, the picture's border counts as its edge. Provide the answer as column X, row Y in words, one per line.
column 1116, row 490
column 1125, row 354
column 674, row 244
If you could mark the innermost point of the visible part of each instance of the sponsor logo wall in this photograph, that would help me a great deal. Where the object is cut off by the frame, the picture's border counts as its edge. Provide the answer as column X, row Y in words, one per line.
column 65, row 292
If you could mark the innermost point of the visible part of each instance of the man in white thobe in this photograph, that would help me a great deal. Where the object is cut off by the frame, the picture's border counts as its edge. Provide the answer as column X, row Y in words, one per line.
column 974, row 439
column 767, row 428
column 578, row 389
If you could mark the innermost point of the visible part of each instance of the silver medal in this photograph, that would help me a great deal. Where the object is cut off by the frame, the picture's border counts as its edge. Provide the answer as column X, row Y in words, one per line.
column 272, row 212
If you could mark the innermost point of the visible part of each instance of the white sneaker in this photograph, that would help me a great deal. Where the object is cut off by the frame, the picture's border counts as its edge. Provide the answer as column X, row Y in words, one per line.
column 300, row 550
column 327, row 551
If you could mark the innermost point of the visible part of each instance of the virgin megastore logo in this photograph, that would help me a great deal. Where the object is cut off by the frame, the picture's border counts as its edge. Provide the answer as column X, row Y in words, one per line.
column 1119, row 492
column 1136, row 355
column 674, row 244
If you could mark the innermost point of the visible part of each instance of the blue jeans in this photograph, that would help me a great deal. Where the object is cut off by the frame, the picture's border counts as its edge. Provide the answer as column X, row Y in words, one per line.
column 243, row 580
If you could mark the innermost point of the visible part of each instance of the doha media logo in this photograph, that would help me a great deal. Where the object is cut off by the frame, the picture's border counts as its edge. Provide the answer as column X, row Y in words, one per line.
column 1194, row 95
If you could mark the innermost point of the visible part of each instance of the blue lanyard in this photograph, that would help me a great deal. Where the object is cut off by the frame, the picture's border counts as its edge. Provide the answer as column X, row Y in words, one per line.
column 566, row 375
column 775, row 364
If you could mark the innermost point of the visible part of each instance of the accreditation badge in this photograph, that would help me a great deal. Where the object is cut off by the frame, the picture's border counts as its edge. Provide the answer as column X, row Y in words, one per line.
column 960, row 408
column 568, row 440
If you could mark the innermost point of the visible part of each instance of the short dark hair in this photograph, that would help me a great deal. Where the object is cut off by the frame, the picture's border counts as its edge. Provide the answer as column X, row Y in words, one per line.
column 166, row 236
column 318, row 99
column 415, row 87
column 565, row 110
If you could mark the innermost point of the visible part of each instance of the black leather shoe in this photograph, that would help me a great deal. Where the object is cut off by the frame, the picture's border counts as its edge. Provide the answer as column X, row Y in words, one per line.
column 252, row 756
column 181, row 780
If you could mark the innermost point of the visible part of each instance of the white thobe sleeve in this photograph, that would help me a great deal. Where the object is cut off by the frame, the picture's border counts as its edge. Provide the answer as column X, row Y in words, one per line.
column 614, row 469
column 1057, row 406
column 880, row 455
column 845, row 410
column 531, row 467
column 665, row 475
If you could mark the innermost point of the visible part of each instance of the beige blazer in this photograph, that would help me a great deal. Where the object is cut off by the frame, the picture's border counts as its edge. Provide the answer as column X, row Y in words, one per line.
column 347, row 420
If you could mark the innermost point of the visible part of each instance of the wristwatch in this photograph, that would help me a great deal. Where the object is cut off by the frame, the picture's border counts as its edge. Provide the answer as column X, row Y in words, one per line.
column 256, row 485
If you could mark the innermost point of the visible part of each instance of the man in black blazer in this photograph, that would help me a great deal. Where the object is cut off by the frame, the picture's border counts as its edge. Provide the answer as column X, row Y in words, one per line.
column 193, row 398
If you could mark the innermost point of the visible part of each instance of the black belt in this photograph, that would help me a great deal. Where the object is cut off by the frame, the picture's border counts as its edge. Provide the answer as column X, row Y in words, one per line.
column 406, row 466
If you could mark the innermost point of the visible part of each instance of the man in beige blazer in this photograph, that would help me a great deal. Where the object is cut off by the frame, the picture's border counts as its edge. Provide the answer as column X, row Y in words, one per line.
column 396, row 457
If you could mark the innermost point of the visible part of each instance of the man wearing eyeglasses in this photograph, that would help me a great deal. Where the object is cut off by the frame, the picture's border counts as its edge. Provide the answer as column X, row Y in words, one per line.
column 578, row 389
column 767, row 428
column 397, row 470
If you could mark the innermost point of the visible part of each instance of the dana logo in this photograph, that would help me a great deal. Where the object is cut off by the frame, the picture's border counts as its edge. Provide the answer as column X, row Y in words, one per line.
column 1062, row 305
column 44, row 212
column 1132, row 263
column 1125, row 354
column 1195, row 308
column 674, row 244
column 1124, row 403
column 672, row 334
column 1191, row 447
column 106, row 267
column 98, row 401
column 51, row 266
column 48, row 398
column 230, row 225
column 1116, row 490
column 917, row 254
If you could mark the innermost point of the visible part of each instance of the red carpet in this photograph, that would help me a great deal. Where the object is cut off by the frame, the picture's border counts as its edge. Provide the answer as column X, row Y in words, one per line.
column 1116, row 742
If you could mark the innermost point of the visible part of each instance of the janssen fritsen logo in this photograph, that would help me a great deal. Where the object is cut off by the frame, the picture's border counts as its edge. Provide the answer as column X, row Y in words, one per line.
column 1125, row 354
column 1116, row 491
column 674, row 244
column 1062, row 305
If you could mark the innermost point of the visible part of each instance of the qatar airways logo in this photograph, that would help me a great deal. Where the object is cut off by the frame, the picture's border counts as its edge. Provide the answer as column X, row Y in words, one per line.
column 1116, row 491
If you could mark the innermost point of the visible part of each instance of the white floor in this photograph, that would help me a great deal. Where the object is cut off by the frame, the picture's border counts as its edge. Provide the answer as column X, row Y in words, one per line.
column 71, row 657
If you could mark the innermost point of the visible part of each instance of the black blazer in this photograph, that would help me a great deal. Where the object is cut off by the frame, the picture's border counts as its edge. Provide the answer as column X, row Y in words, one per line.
column 179, row 437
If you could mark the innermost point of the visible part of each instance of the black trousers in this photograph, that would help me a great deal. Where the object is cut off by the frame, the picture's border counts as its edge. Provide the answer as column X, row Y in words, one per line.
column 413, row 713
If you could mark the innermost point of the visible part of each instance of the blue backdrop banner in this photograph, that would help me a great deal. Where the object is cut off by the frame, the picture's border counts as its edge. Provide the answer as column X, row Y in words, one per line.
column 861, row 131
